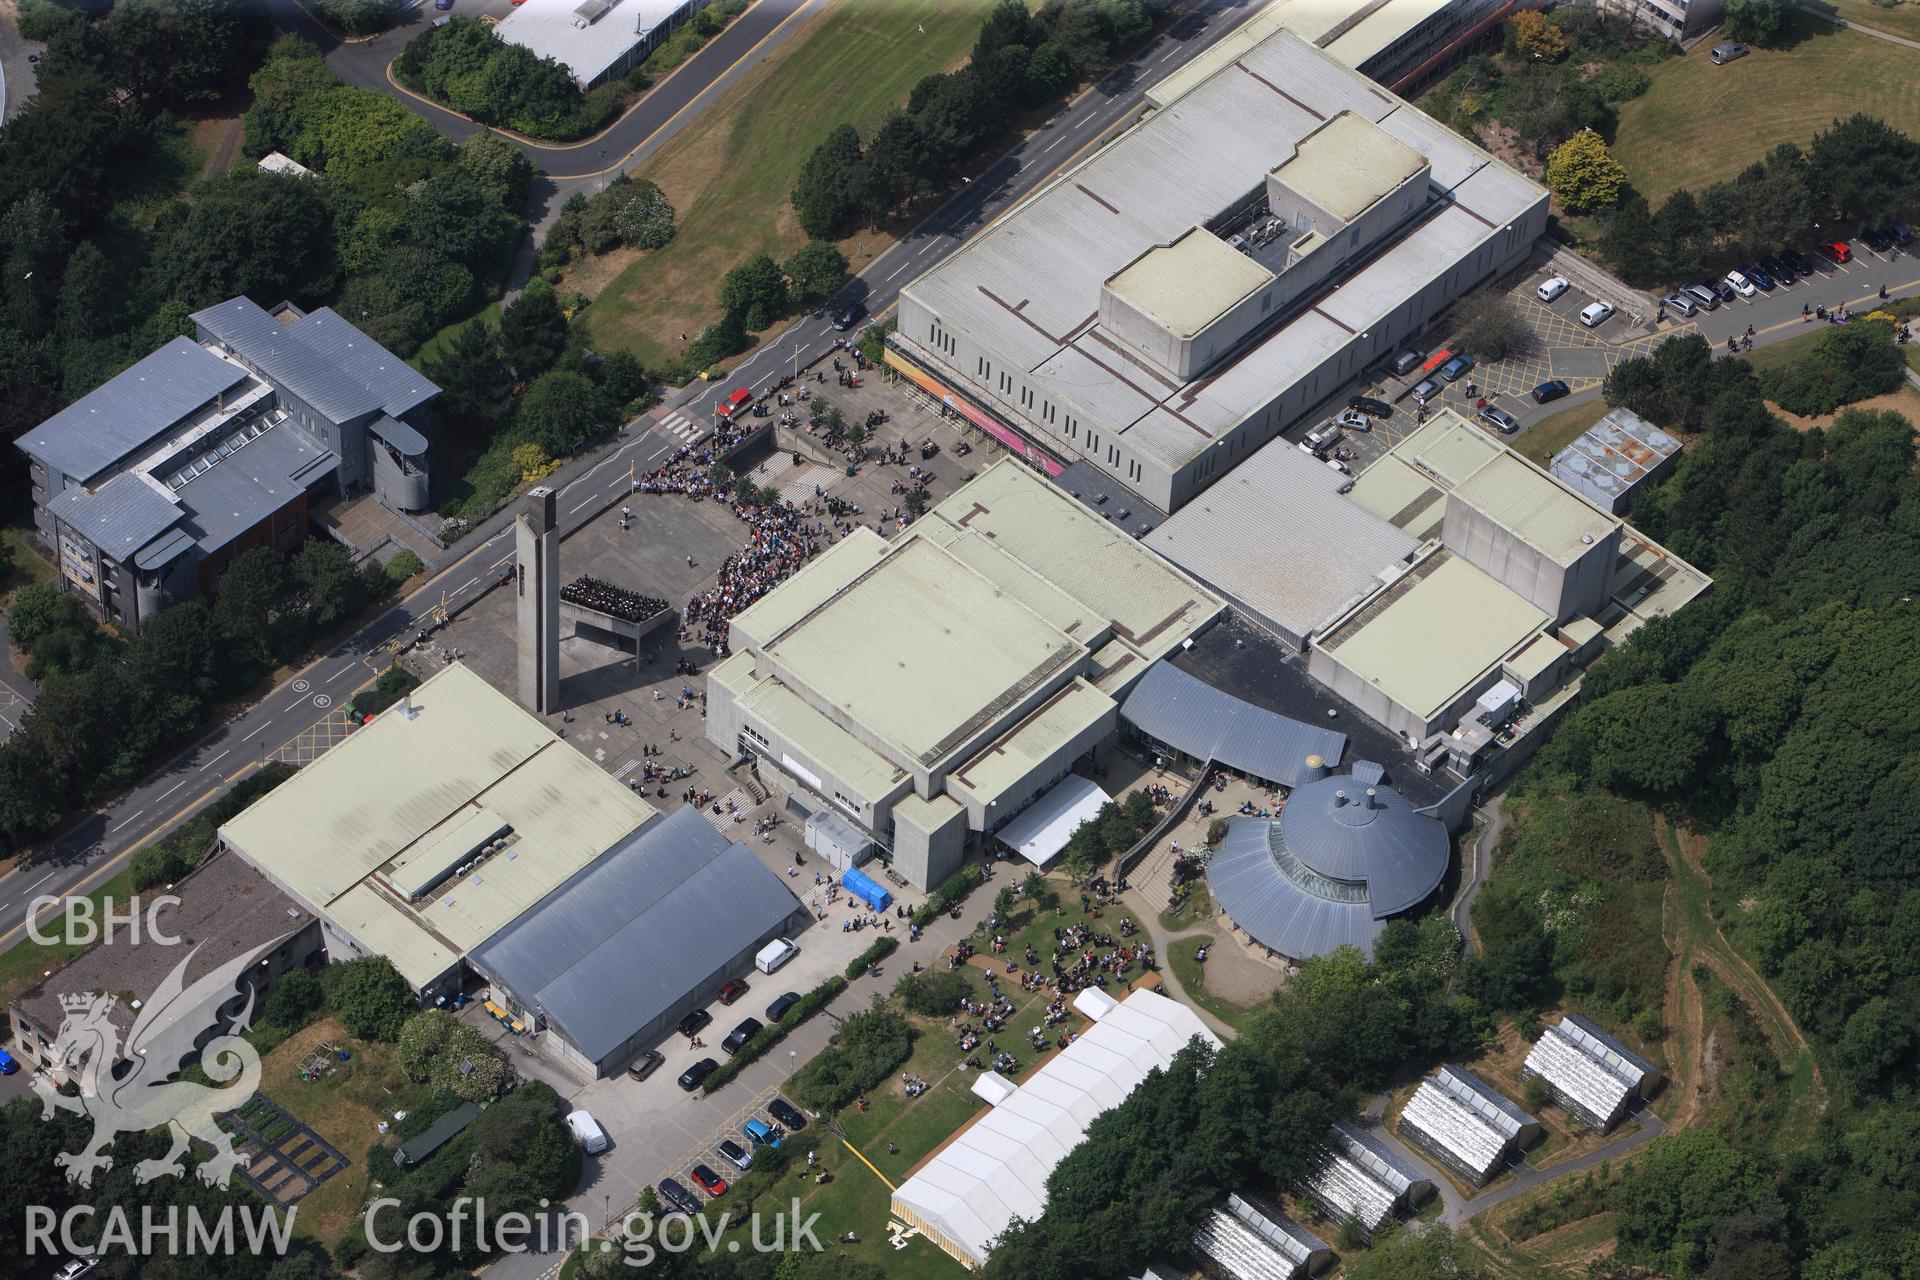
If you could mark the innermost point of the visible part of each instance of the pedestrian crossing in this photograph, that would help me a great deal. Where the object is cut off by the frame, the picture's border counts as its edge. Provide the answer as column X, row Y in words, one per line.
column 682, row 428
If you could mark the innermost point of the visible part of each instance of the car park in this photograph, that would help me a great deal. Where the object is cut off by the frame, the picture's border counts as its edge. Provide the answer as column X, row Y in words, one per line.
column 1499, row 419
column 588, row 1133
column 678, row 1196
column 1726, row 291
column 1740, row 284
column 1548, row 391
column 1427, row 389
column 710, row 1182
column 1722, row 54
column 735, row 1154
column 1354, row 420
column 1758, row 276
column 1321, row 437
column 1802, row 264
column 733, row 990
column 1456, row 368
column 781, row 1003
column 1371, row 407
column 647, row 1063
column 760, row 1133
column 696, row 1075
column 1596, row 314
column 693, row 1023
column 1678, row 301
column 1703, row 295
column 1407, row 361
column 1777, row 266
column 737, row 1038
column 787, row 1114
column 1839, row 250
column 1878, row 239
column 1551, row 288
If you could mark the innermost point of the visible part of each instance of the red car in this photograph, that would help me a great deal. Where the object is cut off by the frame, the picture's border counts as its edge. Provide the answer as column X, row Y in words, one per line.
column 734, row 403
column 734, row 989
column 1838, row 250
column 710, row 1182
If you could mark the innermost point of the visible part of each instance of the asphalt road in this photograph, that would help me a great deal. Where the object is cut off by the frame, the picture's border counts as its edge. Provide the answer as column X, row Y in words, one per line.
column 98, row 846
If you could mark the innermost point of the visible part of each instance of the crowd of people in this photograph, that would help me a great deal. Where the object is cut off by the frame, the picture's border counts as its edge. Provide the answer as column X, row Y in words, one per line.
column 592, row 593
column 780, row 540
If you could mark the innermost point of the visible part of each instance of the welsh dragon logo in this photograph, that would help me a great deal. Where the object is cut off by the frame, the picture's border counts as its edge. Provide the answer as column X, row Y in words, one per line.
column 143, row 1096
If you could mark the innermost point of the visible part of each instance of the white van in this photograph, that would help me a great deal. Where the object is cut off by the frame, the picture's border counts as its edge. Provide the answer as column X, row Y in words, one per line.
column 775, row 954
column 1596, row 314
column 587, row 1132
column 1552, row 288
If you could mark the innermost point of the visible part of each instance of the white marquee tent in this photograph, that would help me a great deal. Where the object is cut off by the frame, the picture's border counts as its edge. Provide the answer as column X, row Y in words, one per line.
column 1043, row 828
column 996, row 1169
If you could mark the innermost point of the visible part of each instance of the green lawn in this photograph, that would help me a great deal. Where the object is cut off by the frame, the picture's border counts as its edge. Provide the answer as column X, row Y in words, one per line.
column 1193, row 978
column 27, row 563
column 1902, row 19
column 23, row 964
column 1547, row 437
column 1700, row 123
column 729, row 173
column 432, row 347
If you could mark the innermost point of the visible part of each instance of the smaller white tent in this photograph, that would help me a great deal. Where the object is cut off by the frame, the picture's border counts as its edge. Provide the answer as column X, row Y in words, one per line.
column 1043, row 828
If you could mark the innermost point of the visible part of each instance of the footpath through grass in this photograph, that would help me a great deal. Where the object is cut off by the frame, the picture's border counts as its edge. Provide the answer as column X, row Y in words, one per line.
column 1700, row 123
column 729, row 173
column 1539, row 442
column 1903, row 19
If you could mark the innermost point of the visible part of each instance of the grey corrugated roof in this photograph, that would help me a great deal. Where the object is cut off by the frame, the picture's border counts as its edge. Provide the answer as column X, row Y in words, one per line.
column 399, row 435
column 114, row 419
column 320, row 358
column 163, row 549
column 120, row 517
column 626, row 937
column 1382, row 1162
column 1348, row 831
column 253, row 482
column 1278, row 911
column 1191, row 715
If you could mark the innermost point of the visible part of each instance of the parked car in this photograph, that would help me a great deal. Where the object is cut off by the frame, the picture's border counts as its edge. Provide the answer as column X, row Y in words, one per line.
column 1680, row 302
column 1758, row 275
column 787, row 1114
column 1838, row 250
column 737, row 1038
column 1427, row 389
column 781, row 1003
column 1354, row 420
column 1499, row 419
column 1371, row 407
column 1552, row 287
column 1726, row 291
column 1740, row 284
column 74, row 1268
column 696, row 1075
column 1722, row 54
column 1902, row 233
column 443, row 5
column 1547, row 391
column 1407, row 361
column 588, row 1133
column 1456, row 368
column 1778, row 267
column 760, row 1133
column 1702, row 294
column 733, row 990
column 1596, row 314
column 8, row 1063
column 734, row 1154
column 710, row 1182
column 678, row 1196
column 690, row 1026
column 1802, row 263
column 648, row 1063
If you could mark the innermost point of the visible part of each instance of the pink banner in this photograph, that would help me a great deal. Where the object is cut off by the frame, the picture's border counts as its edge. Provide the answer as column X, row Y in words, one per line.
column 1017, row 443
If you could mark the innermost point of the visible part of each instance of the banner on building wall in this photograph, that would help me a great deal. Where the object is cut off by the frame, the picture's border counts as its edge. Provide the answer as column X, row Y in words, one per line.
column 1017, row 443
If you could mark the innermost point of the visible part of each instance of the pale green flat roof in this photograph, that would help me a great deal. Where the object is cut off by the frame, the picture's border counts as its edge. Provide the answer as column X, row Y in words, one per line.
column 806, row 591
column 865, row 771
column 352, row 833
column 1348, row 164
column 1449, row 447
column 1402, row 496
column 1188, row 284
column 1541, row 652
column 1433, row 633
column 921, row 650
column 1071, row 711
column 1535, row 508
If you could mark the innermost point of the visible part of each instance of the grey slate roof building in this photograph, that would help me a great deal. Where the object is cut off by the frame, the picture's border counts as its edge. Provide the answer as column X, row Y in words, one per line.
column 1589, row 1073
column 148, row 485
column 1345, row 854
column 1246, row 1241
column 1186, row 715
column 615, row 955
column 1462, row 1122
column 1364, row 1181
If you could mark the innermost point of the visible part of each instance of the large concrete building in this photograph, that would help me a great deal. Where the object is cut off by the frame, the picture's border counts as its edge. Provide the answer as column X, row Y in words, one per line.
column 927, row 689
column 148, row 486
column 1174, row 301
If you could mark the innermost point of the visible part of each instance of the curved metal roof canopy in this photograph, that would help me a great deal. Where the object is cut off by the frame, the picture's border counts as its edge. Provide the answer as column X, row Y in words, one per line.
column 1190, row 715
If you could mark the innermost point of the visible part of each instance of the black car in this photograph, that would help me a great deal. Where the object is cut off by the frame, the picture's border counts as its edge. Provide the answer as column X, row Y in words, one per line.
column 1371, row 407
column 1801, row 263
column 678, row 1196
column 845, row 319
column 1726, row 291
column 1777, row 267
column 734, row 1154
column 1552, row 390
column 696, row 1075
column 787, row 1114
column 693, row 1023
column 649, row 1062
column 1878, row 239
column 1758, row 275
column 737, row 1038
column 778, row 1009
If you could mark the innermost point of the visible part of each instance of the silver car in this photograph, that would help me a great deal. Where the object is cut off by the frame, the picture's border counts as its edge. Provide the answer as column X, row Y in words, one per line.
column 1677, row 301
